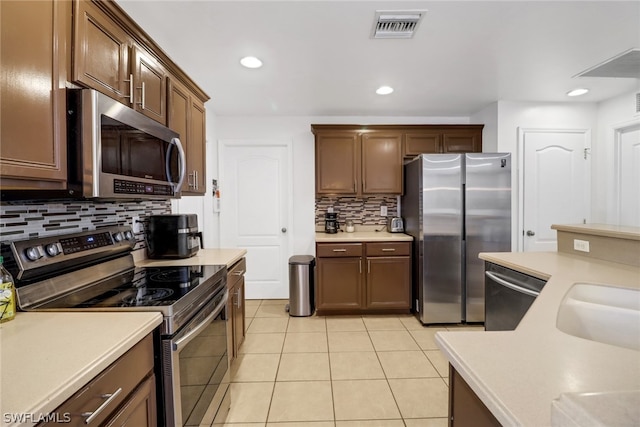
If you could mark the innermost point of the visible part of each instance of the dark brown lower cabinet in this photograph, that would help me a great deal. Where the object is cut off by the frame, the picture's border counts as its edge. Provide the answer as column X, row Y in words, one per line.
column 124, row 394
column 465, row 407
column 363, row 278
column 236, row 308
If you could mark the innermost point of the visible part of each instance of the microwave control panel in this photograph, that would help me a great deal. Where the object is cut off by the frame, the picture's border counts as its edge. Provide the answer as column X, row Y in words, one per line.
column 121, row 186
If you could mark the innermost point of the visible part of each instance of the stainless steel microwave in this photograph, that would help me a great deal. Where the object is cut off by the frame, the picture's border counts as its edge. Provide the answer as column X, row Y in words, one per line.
column 116, row 152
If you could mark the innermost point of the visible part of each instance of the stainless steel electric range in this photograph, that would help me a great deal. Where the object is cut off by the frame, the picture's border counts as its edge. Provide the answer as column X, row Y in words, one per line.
column 95, row 271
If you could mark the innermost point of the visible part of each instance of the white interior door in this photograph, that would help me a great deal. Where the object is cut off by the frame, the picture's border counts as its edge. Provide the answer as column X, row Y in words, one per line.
column 629, row 176
column 555, row 184
column 254, row 215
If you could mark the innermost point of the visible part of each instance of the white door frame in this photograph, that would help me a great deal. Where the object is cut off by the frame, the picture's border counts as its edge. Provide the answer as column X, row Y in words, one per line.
column 522, row 132
column 222, row 143
column 618, row 130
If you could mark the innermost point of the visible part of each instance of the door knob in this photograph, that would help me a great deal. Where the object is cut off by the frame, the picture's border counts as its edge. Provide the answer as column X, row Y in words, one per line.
column 530, row 233
column 284, row 229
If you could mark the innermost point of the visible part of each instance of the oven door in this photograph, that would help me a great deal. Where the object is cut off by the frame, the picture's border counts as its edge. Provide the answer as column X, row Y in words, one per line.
column 195, row 367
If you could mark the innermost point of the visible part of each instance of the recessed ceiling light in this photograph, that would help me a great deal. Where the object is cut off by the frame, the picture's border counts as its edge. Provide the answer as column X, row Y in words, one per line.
column 251, row 62
column 384, row 90
column 577, row 92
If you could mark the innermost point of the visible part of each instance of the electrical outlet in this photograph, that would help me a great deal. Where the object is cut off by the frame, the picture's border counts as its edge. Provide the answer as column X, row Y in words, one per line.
column 137, row 225
column 383, row 210
column 581, row 245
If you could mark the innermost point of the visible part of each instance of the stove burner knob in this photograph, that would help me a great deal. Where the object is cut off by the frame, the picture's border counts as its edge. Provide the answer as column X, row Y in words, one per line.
column 52, row 249
column 118, row 236
column 128, row 235
column 34, row 253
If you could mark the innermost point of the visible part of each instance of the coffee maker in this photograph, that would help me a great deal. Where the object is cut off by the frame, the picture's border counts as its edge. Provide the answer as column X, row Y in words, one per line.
column 331, row 225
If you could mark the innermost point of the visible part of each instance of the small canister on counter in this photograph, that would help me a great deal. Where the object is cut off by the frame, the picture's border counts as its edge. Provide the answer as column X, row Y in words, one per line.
column 350, row 226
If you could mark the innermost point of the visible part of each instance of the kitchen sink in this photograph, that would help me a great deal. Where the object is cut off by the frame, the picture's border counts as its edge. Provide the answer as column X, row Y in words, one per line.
column 603, row 313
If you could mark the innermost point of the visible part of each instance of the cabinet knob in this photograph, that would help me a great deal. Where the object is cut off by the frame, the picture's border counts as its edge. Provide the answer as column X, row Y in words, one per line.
column 530, row 233
column 284, row 229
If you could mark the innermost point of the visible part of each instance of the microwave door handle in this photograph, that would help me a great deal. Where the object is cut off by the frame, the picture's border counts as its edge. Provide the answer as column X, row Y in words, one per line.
column 182, row 164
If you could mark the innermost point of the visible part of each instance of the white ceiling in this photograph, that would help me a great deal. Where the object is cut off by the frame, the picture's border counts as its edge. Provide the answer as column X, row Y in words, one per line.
column 319, row 58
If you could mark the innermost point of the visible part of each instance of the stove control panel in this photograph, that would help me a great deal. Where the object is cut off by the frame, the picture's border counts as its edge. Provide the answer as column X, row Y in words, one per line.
column 26, row 257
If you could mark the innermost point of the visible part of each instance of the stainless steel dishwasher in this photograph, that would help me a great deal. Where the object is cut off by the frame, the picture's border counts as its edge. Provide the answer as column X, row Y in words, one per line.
column 508, row 296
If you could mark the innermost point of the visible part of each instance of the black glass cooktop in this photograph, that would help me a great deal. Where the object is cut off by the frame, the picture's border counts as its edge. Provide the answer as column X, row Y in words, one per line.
column 144, row 287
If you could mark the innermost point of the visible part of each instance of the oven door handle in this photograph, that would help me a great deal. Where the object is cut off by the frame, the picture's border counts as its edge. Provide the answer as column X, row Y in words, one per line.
column 510, row 285
column 183, row 341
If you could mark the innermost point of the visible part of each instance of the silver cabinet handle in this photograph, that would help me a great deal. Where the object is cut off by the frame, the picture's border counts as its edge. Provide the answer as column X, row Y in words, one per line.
column 284, row 229
column 530, row 233
column 510, row 285
column 142, row 95
column 339, row 250
column 355, row 185
column 388, row 250
column 369, row 266
column 238, row 273
column 360, row 266
column 92, row 415
column 130, row 81
column 195, row 179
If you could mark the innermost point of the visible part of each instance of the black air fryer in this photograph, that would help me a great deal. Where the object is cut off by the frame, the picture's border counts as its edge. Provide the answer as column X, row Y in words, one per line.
column 173, row 236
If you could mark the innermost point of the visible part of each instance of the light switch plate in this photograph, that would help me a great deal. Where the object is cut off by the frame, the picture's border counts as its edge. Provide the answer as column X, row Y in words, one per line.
column 383, row 210
column 581, row 245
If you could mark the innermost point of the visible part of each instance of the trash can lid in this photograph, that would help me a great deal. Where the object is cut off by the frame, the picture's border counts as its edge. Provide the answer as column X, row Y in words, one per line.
column 301, row 259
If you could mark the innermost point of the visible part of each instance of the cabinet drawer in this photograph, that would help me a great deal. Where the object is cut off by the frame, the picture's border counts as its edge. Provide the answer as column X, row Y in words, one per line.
column 389, row 249
column 338, row 250
column 235, row 273
column 124, row 375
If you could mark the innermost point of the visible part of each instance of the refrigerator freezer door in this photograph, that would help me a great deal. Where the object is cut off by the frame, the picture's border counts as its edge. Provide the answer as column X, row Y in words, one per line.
column 441, row 296
column 487, row 221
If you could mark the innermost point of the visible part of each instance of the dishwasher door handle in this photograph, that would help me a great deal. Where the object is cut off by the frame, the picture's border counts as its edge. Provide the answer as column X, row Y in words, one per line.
column 510, row 285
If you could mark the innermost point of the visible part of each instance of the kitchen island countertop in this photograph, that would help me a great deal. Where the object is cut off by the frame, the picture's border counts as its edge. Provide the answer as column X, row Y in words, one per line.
column 46, row 357
column 517, row 374
column 219, row 256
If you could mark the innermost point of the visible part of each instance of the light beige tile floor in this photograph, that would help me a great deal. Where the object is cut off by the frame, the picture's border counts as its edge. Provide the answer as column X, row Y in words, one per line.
column 337, row 371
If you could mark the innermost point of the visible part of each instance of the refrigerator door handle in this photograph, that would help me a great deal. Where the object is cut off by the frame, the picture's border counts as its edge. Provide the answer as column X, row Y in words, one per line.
column 510, row 285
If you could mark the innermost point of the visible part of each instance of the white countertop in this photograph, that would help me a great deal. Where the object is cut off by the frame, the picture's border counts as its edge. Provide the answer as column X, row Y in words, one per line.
column 362, row 236
column 517, row 374
column 223, row 256
column 46, row 357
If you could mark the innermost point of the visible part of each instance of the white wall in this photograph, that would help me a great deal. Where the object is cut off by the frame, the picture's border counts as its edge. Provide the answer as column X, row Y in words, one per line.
column 488, row 116
column 514, row 115
column 614, row 113
column 298, row 130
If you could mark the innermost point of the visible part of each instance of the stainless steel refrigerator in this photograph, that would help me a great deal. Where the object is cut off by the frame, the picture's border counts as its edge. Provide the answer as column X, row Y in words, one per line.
column 455, row 206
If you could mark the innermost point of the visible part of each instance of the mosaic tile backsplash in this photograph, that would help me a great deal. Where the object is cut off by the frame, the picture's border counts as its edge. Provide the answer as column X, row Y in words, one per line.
column 29, row 220
column 361, row 210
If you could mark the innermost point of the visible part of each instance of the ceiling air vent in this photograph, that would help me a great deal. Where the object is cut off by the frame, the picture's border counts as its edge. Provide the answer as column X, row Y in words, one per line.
column 624, row 65
column 396, row 24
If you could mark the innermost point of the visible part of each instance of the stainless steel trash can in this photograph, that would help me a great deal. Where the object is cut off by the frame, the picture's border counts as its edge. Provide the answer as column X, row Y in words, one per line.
column 301, row 300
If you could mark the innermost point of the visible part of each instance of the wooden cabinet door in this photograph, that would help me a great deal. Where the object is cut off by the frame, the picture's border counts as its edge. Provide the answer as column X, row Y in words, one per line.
column 422, row 142
column 150, row 86
column 140, row 408
column 34, row 54
column 101, row 53
column 465, row 407
column 196, row 157
column 337, row 163
column 388, row 283
column 187, row 116
column 339, row 284
column 462, row 142
column 382, row 163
